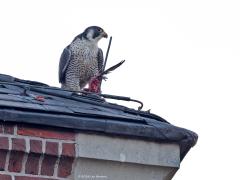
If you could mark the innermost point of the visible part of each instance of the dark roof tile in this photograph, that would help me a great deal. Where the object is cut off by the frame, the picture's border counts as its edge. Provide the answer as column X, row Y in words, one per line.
column 19, row 102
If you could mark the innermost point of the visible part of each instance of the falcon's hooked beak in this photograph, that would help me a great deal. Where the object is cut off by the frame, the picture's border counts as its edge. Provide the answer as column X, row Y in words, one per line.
column 104, row 34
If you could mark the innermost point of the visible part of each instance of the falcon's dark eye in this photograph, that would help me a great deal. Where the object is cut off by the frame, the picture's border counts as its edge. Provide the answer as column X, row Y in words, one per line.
column 100, row 30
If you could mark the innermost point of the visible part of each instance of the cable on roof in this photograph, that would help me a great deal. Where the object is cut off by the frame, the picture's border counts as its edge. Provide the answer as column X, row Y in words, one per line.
column 122, row 98
column 27, row 86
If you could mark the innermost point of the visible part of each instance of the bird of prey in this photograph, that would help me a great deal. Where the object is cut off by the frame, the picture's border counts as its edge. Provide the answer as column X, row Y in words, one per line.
column 82, row 59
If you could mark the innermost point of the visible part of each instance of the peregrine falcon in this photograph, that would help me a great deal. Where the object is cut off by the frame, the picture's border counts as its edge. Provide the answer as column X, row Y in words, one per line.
column 82, row 59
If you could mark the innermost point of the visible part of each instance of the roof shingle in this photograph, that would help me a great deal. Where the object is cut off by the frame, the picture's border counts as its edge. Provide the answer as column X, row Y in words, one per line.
column 85, row 112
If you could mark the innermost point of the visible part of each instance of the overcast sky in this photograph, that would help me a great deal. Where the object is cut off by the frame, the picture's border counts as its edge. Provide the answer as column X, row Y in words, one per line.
column 182, row 61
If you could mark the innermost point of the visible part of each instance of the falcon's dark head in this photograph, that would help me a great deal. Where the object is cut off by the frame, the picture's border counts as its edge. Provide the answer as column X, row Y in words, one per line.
column 94, row 33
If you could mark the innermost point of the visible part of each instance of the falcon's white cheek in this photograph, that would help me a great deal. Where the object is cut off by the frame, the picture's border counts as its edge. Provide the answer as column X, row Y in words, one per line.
column 90, row 34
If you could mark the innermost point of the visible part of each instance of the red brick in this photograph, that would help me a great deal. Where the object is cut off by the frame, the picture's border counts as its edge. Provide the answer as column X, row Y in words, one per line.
column 31, row 178
column 32, row 164
column 4, row 143
column 3, row 155
column 65, row 167
column 8, row 128
column 51, row 148
column 15, row 161
column 18, row 144
column 68, row 149
column 48, row 165
column 5, row 177
column 36, row 146
column 46, row 133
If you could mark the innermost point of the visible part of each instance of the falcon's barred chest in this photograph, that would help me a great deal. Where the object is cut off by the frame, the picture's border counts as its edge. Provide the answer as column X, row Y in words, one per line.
column 84, row 61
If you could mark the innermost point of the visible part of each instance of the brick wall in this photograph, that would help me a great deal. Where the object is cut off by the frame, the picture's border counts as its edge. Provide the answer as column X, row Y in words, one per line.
column 30, row 153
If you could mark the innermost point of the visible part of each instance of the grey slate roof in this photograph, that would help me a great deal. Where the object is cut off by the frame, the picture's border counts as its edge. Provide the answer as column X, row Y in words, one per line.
column 36, row 103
